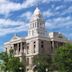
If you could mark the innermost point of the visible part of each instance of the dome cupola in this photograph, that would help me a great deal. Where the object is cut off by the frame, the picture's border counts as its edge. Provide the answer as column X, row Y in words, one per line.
column 37, row 12
column 37, row 15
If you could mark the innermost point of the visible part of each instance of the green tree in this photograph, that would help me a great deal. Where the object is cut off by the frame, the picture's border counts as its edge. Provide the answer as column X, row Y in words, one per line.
column 4, row 61
column 63, row 58
column 42, row 62
column 11, row 63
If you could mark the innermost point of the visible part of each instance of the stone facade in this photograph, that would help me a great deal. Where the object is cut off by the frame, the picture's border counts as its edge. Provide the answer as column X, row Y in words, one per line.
column 38, row 41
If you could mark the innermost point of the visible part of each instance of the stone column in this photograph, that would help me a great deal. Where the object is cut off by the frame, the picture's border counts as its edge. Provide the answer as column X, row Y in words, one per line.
column 17, row 48
column 14, row 49
column 21, row 48
column 52, row 46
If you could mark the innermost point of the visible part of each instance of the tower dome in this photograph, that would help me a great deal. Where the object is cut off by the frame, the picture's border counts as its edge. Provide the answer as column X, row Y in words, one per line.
column 37, row 12
column 37, row 15
column 37, row 25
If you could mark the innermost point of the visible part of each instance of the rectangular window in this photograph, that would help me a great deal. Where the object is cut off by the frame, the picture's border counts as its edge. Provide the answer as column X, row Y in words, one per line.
column 19, row 47
column 34, row 42
column 42, row 44
column 42, row 47
column 27, row 49
column 27, row 61
column 34, row 48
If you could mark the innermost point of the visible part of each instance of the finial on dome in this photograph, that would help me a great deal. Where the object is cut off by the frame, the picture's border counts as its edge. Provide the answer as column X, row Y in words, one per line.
column 37, row 12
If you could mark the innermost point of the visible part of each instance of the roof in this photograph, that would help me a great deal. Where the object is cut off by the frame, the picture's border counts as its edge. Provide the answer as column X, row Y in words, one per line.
column 37, row 12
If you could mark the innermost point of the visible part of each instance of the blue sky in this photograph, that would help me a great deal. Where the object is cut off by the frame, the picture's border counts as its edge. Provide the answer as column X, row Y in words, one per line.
column 15, row 16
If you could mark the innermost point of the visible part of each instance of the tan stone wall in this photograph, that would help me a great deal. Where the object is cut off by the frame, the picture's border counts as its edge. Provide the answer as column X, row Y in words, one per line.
column 46, row 47
column 42, row 46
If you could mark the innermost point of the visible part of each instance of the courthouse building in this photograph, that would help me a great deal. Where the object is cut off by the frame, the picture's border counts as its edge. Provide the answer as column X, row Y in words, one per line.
column 38, row 40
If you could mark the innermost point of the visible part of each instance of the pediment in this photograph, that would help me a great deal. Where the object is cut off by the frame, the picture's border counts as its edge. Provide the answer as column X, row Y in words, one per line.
column 15, row 37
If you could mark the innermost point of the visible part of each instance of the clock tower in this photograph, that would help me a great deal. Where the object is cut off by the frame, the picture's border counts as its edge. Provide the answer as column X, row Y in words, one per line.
column 37, row 25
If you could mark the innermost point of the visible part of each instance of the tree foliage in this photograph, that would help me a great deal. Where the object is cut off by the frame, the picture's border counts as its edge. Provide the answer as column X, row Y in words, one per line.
column 10, row 63
column 42, row 62
column 63, row 58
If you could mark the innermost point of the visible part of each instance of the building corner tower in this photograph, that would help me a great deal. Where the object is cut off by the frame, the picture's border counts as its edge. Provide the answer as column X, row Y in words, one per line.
column 37, row 25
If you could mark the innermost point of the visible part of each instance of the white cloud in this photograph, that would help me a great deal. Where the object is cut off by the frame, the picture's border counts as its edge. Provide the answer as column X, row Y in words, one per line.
column 2, row 1
column 67, row 10
column 59, row 22
column 29, row 3
column 18, row 26
column 7, row 6
column 47, row 1
column 27, row 15
column 59, row 7
column 23, row 26
column 48, row 13
column 6, row 22
column 9, row 26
